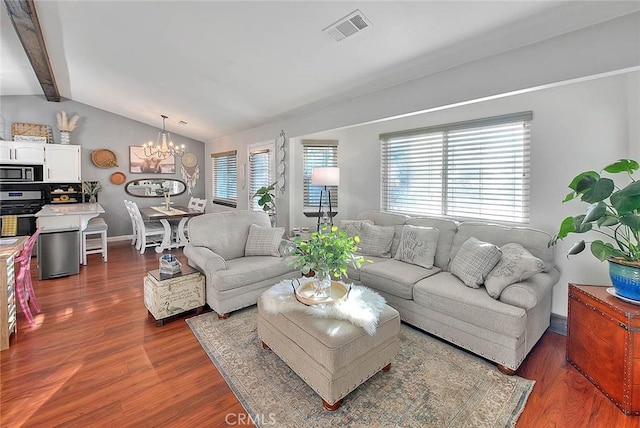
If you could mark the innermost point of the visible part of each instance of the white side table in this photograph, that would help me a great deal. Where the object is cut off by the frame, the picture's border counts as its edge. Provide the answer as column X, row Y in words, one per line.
column 169, row 295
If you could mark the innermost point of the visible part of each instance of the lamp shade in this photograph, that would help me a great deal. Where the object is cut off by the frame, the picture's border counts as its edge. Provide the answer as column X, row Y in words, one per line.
column 325, row 176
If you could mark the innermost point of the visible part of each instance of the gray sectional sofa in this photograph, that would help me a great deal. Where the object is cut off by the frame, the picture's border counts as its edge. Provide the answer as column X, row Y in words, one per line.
column 238, row 252
column 502, row 328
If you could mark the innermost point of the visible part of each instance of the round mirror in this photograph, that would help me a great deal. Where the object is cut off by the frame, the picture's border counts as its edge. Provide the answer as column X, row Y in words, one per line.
column 154, row 188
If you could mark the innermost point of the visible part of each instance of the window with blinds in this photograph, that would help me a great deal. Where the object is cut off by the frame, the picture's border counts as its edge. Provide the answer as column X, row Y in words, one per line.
column 225, row 178
column 318, row 153
column 261, row 172
column 471, row 170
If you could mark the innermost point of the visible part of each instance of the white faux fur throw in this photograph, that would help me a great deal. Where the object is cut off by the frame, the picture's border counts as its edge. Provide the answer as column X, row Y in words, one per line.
column 362, row 307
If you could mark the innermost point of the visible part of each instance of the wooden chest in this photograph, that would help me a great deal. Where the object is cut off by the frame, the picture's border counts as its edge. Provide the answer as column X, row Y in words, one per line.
column 175, row 294
column 603, row 343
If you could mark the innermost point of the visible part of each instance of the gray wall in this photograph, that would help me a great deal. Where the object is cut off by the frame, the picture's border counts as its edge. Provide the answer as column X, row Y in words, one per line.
column 100, row 129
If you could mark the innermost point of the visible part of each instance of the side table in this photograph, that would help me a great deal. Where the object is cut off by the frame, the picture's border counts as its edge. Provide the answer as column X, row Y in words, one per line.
column 603, row 343
column 169, row 295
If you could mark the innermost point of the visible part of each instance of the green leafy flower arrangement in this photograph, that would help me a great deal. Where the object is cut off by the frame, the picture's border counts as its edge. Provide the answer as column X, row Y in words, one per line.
column 328, row 252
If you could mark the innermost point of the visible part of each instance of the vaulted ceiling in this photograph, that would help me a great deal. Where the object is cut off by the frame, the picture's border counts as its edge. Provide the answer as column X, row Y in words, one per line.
column 228, row 66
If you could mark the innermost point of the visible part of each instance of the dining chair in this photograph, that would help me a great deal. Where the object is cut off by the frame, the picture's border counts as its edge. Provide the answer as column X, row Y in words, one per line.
column 23, row 284
column 134, row 225
column 150, row 233
column 193, row 203
column 201, row 204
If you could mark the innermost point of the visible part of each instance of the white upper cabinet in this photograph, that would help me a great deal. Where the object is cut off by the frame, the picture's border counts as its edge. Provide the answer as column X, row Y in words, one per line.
column 62, row 163
column 17, row 152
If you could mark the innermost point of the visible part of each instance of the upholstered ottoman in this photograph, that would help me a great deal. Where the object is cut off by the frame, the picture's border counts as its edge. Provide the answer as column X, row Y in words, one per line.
column 332, row 356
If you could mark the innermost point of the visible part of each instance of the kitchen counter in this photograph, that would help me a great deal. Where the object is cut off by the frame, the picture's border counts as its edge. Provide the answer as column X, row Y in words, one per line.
column 70, row 216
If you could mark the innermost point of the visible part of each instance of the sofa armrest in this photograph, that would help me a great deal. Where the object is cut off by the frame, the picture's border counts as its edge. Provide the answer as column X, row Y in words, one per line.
column 205, row 258
column 526, row 294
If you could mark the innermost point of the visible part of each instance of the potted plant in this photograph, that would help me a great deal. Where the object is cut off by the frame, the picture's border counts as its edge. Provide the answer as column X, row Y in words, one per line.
column 328, row 253
column 267, row 200
column 91, row 188
column 614, row 212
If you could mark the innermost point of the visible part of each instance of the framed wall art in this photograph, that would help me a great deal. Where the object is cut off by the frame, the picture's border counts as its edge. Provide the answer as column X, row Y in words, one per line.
column 139, row 163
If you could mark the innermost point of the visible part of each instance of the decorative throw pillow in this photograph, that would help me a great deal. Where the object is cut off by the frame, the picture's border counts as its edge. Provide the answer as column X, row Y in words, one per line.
column 263, row 241
column 516, row 264
column 352, row 227
column 474, row 261
column 375, row 240
column 418, row 245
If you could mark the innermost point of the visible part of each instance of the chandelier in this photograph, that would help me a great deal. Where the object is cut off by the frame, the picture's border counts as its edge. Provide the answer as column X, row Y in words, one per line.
column 164, row 146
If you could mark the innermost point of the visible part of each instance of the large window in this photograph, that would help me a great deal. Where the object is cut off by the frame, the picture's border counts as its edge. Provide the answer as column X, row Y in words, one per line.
column 477, row 169
column 261, row 174
column 318, row 153
column 225, row 178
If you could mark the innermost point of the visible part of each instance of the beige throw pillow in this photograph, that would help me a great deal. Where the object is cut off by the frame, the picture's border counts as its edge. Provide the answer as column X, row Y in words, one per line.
column 353, row 227
column 263, row 241
column 474, row 260
column 418, row 245
column 375, row 240
column 516, row 264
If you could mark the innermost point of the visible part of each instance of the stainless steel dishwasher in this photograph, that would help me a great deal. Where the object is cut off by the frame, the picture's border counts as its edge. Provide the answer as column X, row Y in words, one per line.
column 58, row 253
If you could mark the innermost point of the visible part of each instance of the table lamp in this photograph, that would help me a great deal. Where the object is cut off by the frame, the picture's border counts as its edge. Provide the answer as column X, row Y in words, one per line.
column 325, row 176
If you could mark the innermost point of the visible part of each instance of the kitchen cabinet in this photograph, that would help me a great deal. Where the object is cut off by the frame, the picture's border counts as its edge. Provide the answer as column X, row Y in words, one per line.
column 62, row 163
column 19, row 152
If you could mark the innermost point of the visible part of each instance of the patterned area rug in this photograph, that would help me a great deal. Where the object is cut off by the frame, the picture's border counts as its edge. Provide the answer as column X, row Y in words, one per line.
column 430, row 384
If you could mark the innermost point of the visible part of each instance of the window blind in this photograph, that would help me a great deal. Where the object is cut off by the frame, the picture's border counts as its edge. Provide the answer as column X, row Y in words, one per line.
column 472, row 170
column 260, row 174
column 318, row 153
column 225, row 178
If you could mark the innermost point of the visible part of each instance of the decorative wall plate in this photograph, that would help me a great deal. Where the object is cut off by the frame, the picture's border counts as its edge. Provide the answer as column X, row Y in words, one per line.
column 189, row 160
column 118, row 178
column 104, row 158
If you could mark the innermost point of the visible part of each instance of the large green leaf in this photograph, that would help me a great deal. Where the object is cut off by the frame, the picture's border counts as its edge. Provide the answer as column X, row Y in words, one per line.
column 583, row 180
column 628, row 199
column 631, row 220
column 599, row 191
column 595, row 212
column 577, row 248
column 623, row 165
column 602, row 250
column 607, row 221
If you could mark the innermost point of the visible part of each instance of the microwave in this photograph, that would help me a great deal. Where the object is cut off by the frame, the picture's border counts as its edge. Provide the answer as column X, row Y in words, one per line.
column 20, row 173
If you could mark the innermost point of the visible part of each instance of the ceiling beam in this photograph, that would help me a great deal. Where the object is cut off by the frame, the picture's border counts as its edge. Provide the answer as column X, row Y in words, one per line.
column 25, row 21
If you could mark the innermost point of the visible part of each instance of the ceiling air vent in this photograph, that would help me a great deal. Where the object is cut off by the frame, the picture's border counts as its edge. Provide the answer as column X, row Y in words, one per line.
column 347, row 26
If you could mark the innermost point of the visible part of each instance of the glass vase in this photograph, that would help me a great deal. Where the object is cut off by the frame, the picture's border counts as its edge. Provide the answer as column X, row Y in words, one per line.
column 92, row 199
column 322, row 286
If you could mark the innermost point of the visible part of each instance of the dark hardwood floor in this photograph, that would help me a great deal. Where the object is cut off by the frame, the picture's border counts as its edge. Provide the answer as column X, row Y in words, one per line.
column 96, row 358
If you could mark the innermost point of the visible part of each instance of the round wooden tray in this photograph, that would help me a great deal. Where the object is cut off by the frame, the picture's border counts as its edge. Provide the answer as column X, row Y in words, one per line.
column 104, row 158
column 304, row 293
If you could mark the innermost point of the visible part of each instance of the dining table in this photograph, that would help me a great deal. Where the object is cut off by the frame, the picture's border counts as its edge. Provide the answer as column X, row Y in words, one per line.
column 164, row 214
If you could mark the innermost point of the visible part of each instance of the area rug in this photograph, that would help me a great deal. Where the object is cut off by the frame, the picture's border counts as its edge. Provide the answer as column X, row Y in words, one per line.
column 430, row 384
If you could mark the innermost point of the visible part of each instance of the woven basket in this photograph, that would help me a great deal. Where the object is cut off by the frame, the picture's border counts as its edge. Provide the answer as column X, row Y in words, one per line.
column 104, row 158
column 32, row 130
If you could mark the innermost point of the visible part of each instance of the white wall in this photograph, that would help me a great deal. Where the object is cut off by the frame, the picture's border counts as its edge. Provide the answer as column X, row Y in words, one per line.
column 576, row 120
column 575, row 127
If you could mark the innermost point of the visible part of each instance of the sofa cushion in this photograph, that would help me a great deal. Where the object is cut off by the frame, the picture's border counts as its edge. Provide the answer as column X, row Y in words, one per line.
column 263, row 241
column 244, row 271
column 225, row 233
column 387, row 219
column 516, row 264
column 447, row 230
column 418, row 245
column 375, row 240
column 474, row 261
column 446, row 294
column 352, row 227
column 394, row 277
column 535, row 241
